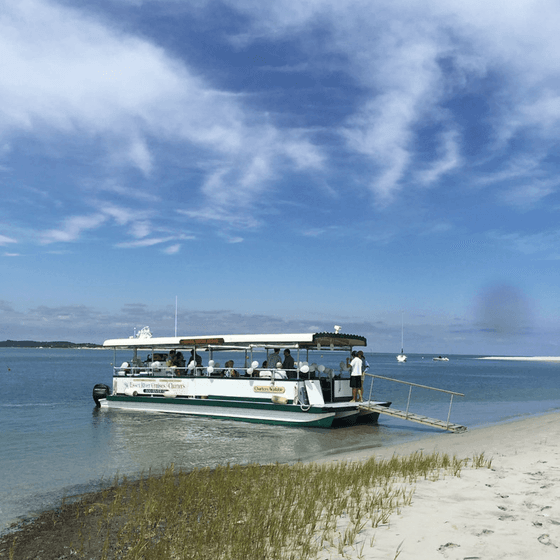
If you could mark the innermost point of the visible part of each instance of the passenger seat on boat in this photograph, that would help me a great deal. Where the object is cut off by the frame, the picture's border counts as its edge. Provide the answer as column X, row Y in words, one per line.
column 124, row 369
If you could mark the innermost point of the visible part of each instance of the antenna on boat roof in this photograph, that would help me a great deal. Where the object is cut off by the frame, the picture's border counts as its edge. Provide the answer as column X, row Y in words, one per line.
column 175, row 315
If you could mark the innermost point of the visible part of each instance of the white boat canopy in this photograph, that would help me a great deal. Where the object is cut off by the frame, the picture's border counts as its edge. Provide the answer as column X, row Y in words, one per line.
column 301, row 340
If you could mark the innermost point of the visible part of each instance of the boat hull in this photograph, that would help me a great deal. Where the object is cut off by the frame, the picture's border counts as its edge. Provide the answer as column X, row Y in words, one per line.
column 262, row 413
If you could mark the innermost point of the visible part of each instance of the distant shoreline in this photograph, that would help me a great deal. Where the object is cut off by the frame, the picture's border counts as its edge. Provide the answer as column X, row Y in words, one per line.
column 524, row 358
column 51, row 344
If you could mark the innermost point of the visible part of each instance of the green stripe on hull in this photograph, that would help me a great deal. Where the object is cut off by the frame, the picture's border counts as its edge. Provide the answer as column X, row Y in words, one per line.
column 321, row 423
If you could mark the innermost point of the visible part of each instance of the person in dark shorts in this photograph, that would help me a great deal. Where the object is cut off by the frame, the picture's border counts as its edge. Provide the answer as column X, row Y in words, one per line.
column 356, row 377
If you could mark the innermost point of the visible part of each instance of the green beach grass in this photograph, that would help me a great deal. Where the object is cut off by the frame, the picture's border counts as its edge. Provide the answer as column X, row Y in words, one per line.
column 233, row 512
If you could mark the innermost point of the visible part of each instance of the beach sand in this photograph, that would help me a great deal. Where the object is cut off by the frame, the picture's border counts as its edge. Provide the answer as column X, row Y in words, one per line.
column 511, row 510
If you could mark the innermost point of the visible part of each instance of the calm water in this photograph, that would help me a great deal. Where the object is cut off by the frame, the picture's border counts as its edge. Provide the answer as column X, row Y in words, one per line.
column 55, row 443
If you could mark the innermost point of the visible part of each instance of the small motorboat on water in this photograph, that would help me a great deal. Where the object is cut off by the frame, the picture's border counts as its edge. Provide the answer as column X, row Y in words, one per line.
column 440, row 359
column 154, row 380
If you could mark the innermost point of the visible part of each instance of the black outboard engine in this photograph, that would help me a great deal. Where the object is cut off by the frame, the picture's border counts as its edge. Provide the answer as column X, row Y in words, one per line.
column 100, row 391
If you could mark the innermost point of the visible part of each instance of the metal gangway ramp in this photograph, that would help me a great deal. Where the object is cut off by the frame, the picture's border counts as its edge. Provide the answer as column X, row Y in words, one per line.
column 412, row 416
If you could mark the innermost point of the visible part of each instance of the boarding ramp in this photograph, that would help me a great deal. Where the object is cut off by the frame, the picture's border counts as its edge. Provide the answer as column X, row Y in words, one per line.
column 412, row 416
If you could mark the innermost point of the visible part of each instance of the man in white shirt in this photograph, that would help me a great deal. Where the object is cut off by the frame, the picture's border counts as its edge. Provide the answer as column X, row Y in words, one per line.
column 365, row 367
column 356, row 377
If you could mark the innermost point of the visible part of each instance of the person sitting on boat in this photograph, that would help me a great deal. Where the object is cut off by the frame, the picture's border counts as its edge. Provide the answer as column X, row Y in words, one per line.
column 179, row 363
column 229, row 371
column 171, row 359
column 356, row 377
column 288, row 365
column 274, row 358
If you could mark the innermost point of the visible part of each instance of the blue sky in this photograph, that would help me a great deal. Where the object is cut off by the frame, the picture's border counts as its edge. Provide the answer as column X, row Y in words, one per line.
column 282, row 166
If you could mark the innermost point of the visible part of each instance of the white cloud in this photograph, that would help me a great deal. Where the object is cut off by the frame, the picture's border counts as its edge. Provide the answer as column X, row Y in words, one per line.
column 525, row 196
column 66, row 72
column 145, row 242
column 128, row 193
column 397, row 49
column 449, row 160
column 141, row 229
column 545, row 243
column 72, row 228
column 5, row 240
column 172, row 249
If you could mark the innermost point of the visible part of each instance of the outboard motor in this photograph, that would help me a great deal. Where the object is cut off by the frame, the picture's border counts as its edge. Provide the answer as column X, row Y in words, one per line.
column 100, row 391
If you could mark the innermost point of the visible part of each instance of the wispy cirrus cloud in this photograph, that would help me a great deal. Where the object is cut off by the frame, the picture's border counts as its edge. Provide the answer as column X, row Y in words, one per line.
column 412, row 58
column 72, row 228
column 405, row 70
column 544, row 244
column 150, row 242
column 68, row 73
column 4, row 240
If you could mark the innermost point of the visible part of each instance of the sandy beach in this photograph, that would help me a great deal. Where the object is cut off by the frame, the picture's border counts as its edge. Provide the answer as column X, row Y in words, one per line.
column 523, row 358
column 509, row 511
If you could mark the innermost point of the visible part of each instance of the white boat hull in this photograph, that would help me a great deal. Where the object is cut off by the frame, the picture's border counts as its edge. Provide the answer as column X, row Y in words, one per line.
column 219, row 409
column 247, row 399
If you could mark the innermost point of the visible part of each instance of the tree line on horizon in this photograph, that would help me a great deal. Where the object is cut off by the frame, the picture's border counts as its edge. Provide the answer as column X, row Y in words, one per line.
column 50, row 344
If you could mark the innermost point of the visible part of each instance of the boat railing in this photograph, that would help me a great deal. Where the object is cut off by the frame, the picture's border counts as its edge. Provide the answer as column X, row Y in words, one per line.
column 206, row 371
column 411, row 385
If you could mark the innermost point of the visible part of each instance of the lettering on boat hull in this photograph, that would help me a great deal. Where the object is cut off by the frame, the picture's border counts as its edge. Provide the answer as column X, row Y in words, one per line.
column 268, row 389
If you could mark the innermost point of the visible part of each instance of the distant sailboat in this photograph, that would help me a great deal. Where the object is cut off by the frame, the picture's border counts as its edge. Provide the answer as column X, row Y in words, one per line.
column 401, row 357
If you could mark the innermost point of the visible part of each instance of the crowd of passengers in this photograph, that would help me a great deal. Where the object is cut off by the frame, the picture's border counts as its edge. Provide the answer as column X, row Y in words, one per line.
column 176, row 360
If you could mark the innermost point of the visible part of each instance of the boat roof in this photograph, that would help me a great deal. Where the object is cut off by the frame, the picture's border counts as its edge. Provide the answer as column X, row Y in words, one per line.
column 294, row 340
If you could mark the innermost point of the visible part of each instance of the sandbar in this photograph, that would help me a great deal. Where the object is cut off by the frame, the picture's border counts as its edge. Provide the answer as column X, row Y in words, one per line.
column 523, row 358
column 511, row 510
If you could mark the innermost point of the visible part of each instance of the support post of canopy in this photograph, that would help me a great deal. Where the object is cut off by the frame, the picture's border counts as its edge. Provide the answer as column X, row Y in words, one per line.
column 449, row 413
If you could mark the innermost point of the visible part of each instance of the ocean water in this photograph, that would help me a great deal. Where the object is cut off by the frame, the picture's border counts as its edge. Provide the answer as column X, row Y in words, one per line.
column 54, row 442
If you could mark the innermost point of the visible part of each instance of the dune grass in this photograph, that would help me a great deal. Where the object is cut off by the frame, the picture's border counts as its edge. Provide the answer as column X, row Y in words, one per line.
column 283, row 512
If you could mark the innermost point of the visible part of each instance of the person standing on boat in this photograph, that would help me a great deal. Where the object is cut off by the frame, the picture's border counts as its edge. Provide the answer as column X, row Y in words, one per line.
column 365, row 367
column 274, row 359
column 288, row 364
column 356, row 377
